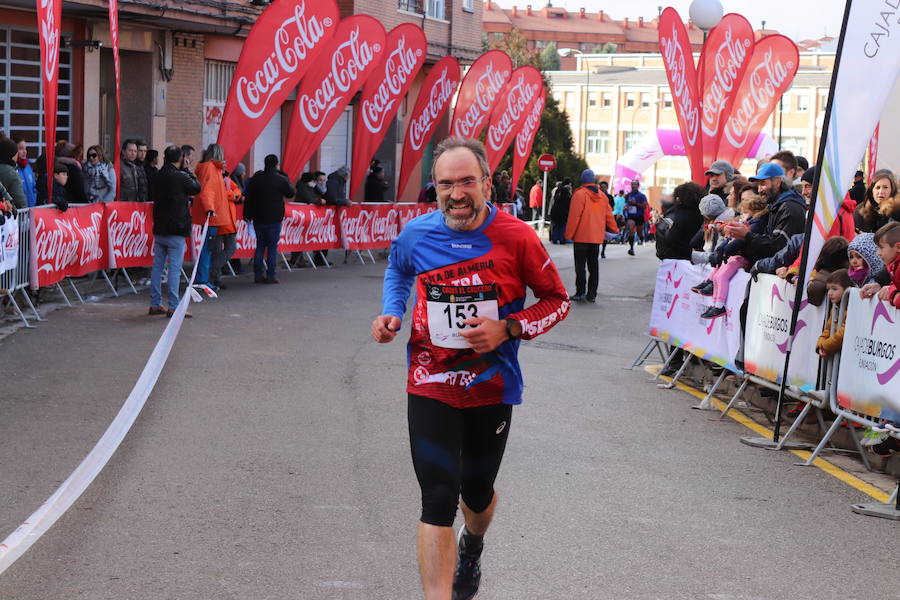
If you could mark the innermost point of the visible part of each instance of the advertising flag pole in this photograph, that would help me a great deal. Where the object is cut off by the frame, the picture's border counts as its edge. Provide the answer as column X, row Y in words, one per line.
column 811, row 213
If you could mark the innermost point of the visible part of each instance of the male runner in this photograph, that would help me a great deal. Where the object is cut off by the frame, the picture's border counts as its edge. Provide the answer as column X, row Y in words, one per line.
column 470, row 264
column 635, row 206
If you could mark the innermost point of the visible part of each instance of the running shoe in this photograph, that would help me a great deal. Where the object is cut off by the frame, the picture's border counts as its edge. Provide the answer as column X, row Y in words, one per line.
column 701, row 286
column 631, row 252
column 872, row 437
column 468, row 572
column 885, row 449
column 713, row 311
column 707, row 289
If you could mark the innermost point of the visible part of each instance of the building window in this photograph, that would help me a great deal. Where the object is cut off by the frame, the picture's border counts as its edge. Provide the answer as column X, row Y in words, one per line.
column 592, row 99
column 631, row 139
column 218, row 80
column 597, row 142
column 436, row 9
column 469, row 5
column 785, row 103
column 605, row 99
column 414, row 6
column 645, row 100
column 667, row 101
column 629, row 100
column 802, row 103
column 584, row 47
column 498, row 36
column 539, row 43
column 797, row 145
column 21, row 104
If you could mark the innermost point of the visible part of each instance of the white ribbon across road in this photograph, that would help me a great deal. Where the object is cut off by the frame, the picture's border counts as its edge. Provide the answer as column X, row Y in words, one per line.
column 53, row 508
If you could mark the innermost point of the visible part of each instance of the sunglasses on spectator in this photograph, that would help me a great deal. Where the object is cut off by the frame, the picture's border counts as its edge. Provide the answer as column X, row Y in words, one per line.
column 92, row 155
column 467, row 185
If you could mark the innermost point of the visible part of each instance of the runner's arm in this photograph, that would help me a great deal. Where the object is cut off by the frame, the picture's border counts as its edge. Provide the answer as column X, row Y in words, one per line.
column 398, row 281
column 541, row 276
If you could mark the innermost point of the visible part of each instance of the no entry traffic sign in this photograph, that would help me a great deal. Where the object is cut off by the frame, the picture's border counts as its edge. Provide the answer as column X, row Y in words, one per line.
column 546, row 162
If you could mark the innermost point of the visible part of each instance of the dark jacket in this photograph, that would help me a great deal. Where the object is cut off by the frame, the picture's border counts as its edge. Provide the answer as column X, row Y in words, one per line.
column 562, row 199
column 171, row 208
column 732, row 247
column 132, row 182
column 674, row 240
column 9, row 177
column 265, row 196
column 878, row 215
column 60, row 196
column 858, row 192
column 76, row 186
column 309, row 194
column 150, row 172
column 784, row 257
column 336, row 190
column 375, row 188
column 787, row 217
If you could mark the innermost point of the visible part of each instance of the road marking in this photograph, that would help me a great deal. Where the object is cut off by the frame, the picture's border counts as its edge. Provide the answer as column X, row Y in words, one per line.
column 833, row 470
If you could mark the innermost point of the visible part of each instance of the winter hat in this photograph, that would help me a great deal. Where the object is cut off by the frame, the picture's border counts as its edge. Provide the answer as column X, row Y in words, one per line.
column 722, row 167
column 587, row 176
column 8, row 151
column 711, row 206
column 809, row 175
column 864, row 243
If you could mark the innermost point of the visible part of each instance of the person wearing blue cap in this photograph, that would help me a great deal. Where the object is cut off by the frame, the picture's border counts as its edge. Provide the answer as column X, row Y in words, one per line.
column 787, row 215
column 590, row 217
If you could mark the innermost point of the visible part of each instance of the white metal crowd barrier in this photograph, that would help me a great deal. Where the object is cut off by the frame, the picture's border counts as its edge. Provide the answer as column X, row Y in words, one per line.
column 15, row 281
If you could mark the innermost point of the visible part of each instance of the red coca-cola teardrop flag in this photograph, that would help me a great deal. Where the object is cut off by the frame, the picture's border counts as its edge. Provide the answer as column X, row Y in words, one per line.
column 769, row 73
column 525, row 138
column 434, row 99
column 114, row 38
column 347, row 61
column 49, row 13
column 403, row 57
column 524, row 85
column 724, row 59
column 281, row 47
column 479, row 92
column 675, row 47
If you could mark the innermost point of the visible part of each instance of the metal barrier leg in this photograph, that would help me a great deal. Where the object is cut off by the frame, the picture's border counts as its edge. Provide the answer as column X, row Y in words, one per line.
column 359, row 256
column 37, row 315
column 325, row 258
column 794, row 426
column 184, row 276
column 648, row 349
column 77, row 293
column 890, row 510
column 18, row 310
column 659, row 348
column 286, row 262
column 109, row 283
column 63, row 294
column 706, row 403
column 734, row 398
column 369, row 252
column 128, row 279
column 859, row 448
column 666, row 364
column 821, row 446
column 230, row 268
column 312, row 262
column 671, row 384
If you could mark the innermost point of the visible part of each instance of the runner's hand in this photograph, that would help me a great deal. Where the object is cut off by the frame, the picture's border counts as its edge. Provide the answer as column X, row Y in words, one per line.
column 487, row 334
column 384, row 328
column 869, row 290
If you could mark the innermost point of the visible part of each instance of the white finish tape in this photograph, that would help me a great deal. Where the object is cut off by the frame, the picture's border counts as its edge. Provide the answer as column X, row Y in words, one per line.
column 53, row 508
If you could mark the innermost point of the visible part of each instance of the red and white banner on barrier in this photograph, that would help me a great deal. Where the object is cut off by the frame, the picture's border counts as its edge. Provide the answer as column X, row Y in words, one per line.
column 281, row 47
column 69, row 244
column 434, row 99
column 345, row 63
column 130, row 233
column 479, row 92
column 524, row 86
column 368, row 226
column 49, row 14
column 408, row 212
column 309, row 228
column 404, row 55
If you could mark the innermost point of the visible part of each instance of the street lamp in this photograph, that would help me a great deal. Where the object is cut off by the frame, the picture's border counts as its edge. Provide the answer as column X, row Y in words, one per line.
column 587, row 97
column 706, row 14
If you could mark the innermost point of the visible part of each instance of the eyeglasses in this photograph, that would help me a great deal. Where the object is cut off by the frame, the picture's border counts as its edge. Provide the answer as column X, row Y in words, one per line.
column 92, row 155
column 467, row 185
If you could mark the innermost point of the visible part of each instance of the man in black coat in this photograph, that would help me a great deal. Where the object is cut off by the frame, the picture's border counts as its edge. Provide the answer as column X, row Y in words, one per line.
column 266, row 192
column 172, row 188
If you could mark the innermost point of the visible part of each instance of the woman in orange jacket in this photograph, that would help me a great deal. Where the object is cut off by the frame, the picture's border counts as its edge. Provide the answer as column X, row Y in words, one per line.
column 215, row 200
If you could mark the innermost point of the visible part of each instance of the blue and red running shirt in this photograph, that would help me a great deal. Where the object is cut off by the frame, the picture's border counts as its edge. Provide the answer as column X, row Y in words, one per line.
column 503, row 254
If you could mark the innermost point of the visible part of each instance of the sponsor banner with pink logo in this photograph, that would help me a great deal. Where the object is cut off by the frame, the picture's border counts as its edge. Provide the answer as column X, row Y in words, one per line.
column 434, row 99
column 676, row 311
column 869, row 376
column 130, row 234
column 368, row 226
column 382, row 94
column 285, row 40
column 9, row 244
column 525, row 85
column 342, row 68
column 768, row 328
column 479, row 92
column 67, row 244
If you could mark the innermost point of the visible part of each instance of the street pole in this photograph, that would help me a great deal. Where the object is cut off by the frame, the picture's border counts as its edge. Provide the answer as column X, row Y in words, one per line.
column 544, row 208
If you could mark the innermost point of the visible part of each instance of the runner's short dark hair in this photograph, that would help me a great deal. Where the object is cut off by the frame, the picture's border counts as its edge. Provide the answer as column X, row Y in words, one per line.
column 453, row 142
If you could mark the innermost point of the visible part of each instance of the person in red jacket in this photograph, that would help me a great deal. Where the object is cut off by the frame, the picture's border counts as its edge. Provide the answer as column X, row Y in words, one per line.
column 888, row 240
column 590, row 217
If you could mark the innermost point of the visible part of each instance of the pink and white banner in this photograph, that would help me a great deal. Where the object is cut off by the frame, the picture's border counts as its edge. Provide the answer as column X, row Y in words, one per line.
column 130, row 234
column 766, row 338
column 67, row 244
column 675, row 315
column 9, row 244
column 368, row 226
column 869, row 380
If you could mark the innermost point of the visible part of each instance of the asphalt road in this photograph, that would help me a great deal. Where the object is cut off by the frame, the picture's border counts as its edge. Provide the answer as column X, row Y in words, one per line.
column 272, row 462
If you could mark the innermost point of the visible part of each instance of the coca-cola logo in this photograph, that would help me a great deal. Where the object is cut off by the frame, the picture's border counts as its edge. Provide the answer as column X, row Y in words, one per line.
column 487, row 87
column 50, row 37
column 245, row 235
column 676, row 67
column 438, row 97
column 398, row 70
column 293, row 41
column 66, row 243
column 348, row 63
column 128, row 239
column 727, row 61
column 765, row 82
column 519, row 97
column 529, row 128
column 322, row 228
column 371, row 227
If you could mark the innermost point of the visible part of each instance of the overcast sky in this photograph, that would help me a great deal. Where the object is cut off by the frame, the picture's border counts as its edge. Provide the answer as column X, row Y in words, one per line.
column 798, row 19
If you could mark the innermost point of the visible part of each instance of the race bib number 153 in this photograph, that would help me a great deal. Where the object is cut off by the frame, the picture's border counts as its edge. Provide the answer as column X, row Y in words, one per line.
column 450, row 305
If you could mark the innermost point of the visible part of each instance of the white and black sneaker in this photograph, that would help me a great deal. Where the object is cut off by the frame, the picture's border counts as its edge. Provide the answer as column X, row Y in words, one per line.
column 468, row 570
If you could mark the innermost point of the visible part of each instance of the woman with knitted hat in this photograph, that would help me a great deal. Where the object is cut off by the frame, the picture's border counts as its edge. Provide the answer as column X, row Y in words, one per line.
column 9, row 176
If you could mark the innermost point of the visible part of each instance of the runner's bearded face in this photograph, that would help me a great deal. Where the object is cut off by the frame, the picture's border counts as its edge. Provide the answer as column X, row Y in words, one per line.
column 462, row 189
